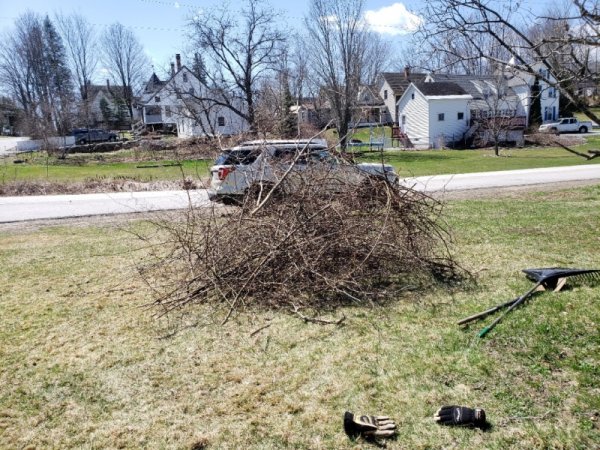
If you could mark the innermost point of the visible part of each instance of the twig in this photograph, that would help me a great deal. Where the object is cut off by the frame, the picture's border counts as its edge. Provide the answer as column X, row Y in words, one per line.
column 255, row 332
column 519, row 418
column 296, row 311
column 583, row 155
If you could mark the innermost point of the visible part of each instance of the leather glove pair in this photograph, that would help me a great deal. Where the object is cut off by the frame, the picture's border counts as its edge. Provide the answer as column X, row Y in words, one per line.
column 384, row 427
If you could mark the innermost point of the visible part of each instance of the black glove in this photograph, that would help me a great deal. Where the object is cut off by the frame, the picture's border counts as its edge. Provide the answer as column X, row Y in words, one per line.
column 460, row 415
column 368, row 426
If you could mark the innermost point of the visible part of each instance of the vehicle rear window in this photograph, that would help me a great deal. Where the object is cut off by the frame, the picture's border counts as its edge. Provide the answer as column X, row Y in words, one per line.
column 237, row 157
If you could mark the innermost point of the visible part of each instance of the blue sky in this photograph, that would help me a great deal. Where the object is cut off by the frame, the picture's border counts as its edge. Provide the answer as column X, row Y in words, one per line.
column 160, row 24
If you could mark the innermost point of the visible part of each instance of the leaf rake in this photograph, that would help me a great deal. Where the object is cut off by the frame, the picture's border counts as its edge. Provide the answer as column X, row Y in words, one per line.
column 551, row 278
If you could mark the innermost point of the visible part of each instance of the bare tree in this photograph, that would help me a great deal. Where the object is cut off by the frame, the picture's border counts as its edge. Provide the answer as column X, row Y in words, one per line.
column 500, row 115
column 241, row 50
column 80, row 42
column 125, row 60
column 337, row 38
column 570, row 37
column 33, row 70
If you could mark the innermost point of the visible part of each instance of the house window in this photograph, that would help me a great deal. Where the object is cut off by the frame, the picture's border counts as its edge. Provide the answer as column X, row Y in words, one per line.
column 178, row 93
column 441, row 117
column 185, row 77
column 385, row 94
column 460, row 116
column 168, row 111
column 221, row 121
column 191, row 91
column 551, row 93
column 157, row 99
column 412, row 96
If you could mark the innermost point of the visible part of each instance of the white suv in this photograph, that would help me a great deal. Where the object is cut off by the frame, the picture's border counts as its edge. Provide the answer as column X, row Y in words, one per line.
column 238, row 169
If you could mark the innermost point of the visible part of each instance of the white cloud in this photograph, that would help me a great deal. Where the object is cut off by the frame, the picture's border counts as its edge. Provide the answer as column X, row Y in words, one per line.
column 177, row 5
column 394, row 19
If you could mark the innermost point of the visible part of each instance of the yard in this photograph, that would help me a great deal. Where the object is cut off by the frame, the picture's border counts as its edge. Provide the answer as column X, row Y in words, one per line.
column 86, row 364
column 148, row 166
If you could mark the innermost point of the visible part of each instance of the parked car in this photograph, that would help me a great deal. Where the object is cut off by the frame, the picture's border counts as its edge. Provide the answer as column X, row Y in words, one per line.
column 237, row 170
column 89, row 135
column 566, row 125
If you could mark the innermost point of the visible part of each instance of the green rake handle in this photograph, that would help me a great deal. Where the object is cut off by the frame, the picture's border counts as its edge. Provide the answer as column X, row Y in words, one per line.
column 520, row 300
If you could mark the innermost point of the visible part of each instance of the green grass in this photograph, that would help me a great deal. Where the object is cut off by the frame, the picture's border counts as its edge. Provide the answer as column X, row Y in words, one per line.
column 432, row 162
column 136, row 165
column 84, row 364
column 581, row 116
column 85, row 169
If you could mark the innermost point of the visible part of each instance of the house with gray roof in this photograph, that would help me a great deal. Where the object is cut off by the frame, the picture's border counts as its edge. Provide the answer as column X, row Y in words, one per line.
column 433, row 114
column 183, row 106
column 391, row 87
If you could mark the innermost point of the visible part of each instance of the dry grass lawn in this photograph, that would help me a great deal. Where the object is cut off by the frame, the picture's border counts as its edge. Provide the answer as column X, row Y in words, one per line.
column 86, row 365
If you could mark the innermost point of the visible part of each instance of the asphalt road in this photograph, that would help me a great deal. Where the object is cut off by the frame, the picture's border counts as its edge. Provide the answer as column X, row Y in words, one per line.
column 17, row 209
column 506, row 178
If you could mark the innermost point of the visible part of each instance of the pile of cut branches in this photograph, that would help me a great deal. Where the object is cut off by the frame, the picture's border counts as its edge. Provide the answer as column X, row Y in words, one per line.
column 312, row 242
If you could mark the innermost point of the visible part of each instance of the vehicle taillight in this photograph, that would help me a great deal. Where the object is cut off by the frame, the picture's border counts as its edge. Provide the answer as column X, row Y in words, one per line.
column 224, row 171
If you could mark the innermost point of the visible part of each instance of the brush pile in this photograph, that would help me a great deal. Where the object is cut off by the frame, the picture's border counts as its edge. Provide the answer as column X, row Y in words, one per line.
column 307, row 246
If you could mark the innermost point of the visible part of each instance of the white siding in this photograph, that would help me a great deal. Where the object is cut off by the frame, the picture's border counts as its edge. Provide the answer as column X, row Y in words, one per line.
column 201, row 125
column 390, row 101
column 524, row 95
column 176, row 97
column 522, row 83
column 451, row 128
column 416, row 112
column 422, row 124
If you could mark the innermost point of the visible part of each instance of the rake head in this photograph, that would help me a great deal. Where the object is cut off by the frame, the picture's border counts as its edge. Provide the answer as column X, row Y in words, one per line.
column 549, row 277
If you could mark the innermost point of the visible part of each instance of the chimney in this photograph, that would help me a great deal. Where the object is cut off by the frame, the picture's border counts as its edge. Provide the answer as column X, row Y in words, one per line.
column 406, row 71
column 172, row 69
column 107, row 83
column 178, row 59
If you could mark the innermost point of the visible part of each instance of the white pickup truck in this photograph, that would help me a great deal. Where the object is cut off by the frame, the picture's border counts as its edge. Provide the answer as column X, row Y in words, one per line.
column 566, row 125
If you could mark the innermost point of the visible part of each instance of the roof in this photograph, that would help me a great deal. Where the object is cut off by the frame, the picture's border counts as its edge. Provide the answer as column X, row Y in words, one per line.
column 398, row 81
column 440, row 89
column 372, row 96
column 154, row 84
column 115, row 91
column 478, row 86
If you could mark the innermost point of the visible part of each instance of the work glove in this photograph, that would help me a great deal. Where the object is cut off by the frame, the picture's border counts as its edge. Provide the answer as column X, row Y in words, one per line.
column 460, row 416
column 368, row 426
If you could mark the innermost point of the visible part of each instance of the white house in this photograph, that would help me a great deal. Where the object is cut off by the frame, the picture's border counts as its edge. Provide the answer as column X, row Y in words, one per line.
column 181, row 104
column 522, row 84
column 498, row 107
column 434, row 113
column 391, row 87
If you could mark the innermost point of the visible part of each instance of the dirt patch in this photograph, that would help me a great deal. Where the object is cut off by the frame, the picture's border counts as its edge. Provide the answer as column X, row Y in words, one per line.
column 24, row 188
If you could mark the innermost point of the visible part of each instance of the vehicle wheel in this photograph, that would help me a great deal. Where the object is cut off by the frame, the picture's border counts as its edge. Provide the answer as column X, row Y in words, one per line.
column 229, row 200
column 555, row 131
column 583, row 130
column 82, row 141
column 112, row 139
